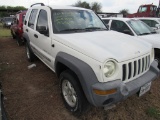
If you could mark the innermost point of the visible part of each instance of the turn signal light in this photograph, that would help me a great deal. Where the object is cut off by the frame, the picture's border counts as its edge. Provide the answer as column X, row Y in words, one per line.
column 104, row 92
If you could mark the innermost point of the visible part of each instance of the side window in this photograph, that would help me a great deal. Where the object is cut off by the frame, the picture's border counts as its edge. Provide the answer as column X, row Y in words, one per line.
column 26, row 17
column 114, row 25
column 150, row 23
column 42, row 23
column 120, row 26
column 139, row 9
column 32, row 18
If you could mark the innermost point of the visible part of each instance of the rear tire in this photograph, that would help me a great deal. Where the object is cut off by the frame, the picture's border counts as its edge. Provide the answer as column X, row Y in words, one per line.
column 19, row 41
column 72, row 93
column 29, row 53
column 13, row 36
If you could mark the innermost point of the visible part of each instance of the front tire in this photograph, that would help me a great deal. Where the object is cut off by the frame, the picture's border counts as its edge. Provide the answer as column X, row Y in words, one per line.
column 72, row 93
column 29, row 53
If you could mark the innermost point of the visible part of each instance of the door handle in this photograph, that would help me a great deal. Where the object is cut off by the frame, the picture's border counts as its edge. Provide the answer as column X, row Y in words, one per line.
column 27, row 30
column 36, row 36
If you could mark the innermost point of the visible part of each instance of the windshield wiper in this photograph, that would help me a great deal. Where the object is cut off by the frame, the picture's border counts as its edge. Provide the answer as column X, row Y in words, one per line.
column 154, row 32
column 95, row 28
column 144, row 33
column 72, row 30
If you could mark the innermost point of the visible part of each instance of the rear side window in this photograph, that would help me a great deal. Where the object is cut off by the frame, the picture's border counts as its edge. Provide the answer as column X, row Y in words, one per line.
column 120, row 26
column 26, row 17
column 32, row 18
column 106, row 21
column 42, row 19
column 150, row 23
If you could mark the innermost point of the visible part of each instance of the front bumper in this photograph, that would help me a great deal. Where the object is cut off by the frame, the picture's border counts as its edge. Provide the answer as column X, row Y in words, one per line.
column 124, row 90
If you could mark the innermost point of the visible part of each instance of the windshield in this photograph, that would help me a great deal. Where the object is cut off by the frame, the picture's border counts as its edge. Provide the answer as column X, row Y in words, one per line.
column 140, row 28
column 75, row 21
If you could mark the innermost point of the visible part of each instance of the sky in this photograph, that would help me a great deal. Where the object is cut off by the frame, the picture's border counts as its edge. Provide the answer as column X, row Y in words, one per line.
column 107, row 5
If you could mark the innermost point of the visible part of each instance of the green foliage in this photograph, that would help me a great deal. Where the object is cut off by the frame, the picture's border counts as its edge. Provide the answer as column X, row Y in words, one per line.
column 4, row 32
column 125, row 12
column 95, row 6
column 153, row 112
column 12, row 8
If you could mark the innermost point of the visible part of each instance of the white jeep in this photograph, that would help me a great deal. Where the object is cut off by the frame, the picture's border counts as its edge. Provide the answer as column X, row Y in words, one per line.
column 93, row 64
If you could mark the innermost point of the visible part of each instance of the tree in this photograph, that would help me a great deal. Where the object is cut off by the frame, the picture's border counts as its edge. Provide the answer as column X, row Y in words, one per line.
column 96, row 7
column 82, row 4
column 124, row 12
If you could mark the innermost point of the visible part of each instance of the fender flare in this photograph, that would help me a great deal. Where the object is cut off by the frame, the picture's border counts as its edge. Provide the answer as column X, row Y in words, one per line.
column 83, row 71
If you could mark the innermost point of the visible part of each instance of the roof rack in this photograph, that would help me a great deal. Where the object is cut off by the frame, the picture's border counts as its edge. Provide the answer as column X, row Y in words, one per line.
column 42, row 4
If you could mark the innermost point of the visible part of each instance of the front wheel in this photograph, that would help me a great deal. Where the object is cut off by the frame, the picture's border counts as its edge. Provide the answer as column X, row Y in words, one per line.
column 72, row 93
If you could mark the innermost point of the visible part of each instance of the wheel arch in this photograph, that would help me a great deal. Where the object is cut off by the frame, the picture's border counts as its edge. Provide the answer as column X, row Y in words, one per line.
column 82, row 70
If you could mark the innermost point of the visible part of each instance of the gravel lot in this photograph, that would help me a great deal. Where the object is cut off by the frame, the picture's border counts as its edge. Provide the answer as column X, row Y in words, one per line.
column 33, row 94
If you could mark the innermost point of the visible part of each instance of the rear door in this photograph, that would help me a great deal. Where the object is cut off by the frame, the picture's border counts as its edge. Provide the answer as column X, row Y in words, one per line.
column 30, row 30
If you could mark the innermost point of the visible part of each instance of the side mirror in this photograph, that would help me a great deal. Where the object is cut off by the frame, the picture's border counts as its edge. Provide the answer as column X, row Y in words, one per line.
column 43, row 30
column 11, row 23
column 126, row 31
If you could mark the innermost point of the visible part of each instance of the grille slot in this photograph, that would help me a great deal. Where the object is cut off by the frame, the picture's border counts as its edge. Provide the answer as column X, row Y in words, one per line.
column 132, row 69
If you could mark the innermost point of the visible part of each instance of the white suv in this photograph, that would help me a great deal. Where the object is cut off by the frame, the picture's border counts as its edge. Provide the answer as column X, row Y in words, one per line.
column 93, row 64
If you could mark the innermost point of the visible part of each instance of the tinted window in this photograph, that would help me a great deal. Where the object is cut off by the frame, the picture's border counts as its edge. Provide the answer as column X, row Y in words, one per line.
column 120, row 26
column 106, row 21
column 150, row 23
column 32, row 18
column 42, row 19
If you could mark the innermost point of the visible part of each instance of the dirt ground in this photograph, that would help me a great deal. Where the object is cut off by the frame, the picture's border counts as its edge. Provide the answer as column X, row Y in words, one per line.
column 33, row 94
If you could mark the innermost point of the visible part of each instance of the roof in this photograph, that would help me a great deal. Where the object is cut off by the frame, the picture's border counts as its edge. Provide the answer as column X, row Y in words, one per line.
column 61, row 7
column 116, row 18
column 148, row 18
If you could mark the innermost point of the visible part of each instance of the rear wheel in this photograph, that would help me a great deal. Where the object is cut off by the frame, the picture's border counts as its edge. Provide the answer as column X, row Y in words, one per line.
column 13, row 36
column 29, row 53
column 19, row 41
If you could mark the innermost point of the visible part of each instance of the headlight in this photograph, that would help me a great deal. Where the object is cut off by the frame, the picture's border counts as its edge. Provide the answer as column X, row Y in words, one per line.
column 152, row 54
column 109, row 68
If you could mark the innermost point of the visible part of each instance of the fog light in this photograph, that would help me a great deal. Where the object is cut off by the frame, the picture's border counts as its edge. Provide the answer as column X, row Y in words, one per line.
column 104, row 92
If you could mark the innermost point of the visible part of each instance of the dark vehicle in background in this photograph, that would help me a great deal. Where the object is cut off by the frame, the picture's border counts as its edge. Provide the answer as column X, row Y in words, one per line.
column 17, row 27
column 7, row 21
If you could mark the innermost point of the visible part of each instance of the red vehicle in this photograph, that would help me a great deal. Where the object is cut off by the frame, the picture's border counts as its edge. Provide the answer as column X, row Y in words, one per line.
column 17, row 27
column 149, row 10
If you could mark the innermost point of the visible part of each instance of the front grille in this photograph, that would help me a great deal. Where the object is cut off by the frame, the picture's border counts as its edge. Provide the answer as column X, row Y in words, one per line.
column 134, row 68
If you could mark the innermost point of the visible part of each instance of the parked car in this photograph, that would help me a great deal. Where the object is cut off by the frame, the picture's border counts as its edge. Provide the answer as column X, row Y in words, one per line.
column 137, row 28
column 7, row 21
column 17, row 27
column 152, row 22
column 93, row 64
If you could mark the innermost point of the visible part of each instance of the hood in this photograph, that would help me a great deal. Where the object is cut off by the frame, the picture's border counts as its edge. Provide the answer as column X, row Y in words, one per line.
column 103, row 45
column 154, row 39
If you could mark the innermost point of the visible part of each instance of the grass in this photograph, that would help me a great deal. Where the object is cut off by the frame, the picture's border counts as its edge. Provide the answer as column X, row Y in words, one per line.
column 4, row 32
column 153, row 112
